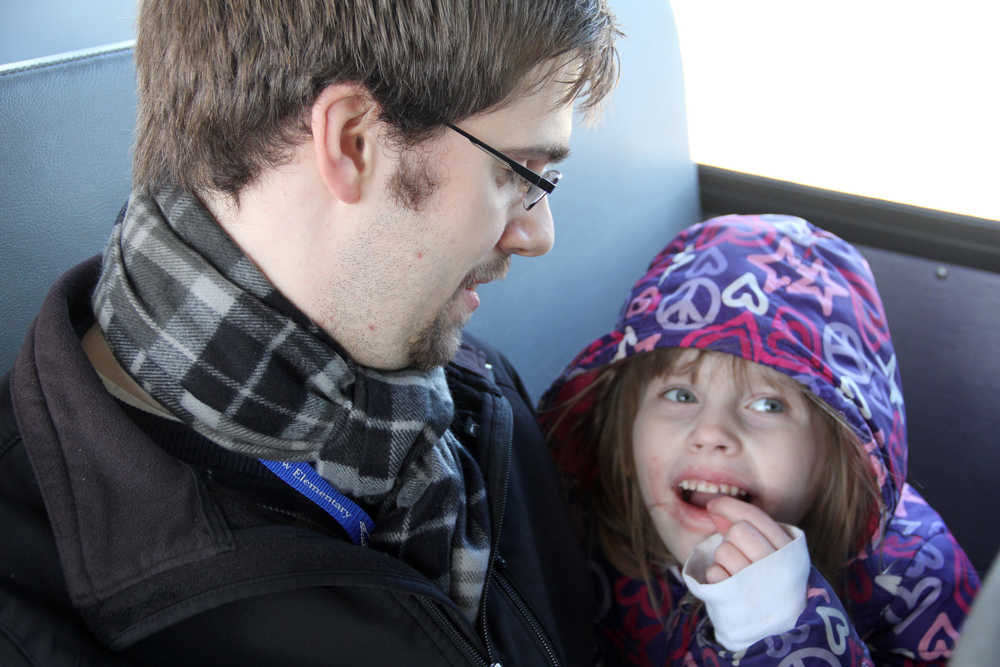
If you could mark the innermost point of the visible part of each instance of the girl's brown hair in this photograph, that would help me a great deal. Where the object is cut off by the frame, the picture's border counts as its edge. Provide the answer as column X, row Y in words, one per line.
column 835, row 525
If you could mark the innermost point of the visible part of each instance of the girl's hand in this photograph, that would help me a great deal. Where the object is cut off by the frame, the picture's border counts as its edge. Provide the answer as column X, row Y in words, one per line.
column 748, row 533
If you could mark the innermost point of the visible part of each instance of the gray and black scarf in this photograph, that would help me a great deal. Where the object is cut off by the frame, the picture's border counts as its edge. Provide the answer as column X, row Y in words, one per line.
column 198, row 326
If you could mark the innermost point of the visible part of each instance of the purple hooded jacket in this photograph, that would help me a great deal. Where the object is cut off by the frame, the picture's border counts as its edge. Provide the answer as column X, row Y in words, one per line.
column 778, row 291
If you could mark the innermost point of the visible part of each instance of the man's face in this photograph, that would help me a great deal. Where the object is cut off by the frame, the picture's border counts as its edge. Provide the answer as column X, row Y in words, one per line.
column 450, row 218
column 698, row 435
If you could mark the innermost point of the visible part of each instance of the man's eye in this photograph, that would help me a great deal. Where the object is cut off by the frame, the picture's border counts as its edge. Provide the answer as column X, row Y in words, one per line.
column 507, row 176
column 767, row 405
column 679, row 396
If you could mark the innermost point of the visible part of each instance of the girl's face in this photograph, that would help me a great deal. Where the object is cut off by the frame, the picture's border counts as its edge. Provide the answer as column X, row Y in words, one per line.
column 701, row 432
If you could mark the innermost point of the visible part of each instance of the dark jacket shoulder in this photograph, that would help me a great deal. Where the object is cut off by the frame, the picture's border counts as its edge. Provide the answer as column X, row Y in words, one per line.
column 126, row 553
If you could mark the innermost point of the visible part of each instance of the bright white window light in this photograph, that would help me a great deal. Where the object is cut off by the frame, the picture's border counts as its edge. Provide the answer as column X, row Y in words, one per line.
column 893, row 99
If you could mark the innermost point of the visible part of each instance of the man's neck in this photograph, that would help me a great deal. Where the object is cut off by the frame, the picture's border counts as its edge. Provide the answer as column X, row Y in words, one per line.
column 119, row 383
column 315, row 249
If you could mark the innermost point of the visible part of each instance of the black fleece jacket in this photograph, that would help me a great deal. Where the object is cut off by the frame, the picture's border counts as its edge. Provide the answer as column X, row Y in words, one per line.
column 130, row 540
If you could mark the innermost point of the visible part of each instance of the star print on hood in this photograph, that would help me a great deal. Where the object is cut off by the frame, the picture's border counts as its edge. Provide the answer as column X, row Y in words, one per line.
column 778, row 291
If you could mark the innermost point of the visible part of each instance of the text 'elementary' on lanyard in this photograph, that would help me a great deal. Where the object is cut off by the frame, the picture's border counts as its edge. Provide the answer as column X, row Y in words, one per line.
column 303, row 478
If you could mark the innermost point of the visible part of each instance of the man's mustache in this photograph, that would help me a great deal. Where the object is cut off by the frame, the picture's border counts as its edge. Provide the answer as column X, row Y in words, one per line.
column 493, row 270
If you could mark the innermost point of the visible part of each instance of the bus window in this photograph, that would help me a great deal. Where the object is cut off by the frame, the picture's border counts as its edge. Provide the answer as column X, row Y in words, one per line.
column 41, row 28
column 894, row 100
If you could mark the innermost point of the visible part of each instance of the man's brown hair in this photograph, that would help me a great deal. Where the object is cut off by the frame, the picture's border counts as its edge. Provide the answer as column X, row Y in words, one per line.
column 225, row 87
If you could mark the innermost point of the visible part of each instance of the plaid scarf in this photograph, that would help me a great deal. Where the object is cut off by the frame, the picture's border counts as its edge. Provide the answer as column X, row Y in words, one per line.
column 191, row 318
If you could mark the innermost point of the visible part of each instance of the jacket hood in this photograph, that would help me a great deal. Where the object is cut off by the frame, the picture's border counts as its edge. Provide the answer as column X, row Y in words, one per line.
column 772, row 289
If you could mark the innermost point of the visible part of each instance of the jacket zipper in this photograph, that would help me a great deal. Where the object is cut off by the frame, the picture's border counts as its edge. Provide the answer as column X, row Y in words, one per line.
column 529, row 617
column 457, row 638
column 497, row 529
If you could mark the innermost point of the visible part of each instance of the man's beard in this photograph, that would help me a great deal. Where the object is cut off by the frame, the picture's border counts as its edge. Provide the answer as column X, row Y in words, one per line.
column 437, row 343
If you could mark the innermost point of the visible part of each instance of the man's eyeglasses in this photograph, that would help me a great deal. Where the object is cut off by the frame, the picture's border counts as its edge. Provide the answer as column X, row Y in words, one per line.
column 535, row 185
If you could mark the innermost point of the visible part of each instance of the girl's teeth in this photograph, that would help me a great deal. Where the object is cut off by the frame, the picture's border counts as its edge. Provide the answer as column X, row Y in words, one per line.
column 708, row 487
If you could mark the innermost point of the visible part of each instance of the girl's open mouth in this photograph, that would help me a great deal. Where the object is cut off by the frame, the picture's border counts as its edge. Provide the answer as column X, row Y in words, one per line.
column 698, row 492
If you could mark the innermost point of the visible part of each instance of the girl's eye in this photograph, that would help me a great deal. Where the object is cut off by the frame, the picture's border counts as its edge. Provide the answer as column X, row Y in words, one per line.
column 678, row 395
column 767, row 405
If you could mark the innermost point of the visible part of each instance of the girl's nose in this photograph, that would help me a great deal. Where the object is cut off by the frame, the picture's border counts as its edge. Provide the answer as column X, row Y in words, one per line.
column 715, row 434
column 529, row 233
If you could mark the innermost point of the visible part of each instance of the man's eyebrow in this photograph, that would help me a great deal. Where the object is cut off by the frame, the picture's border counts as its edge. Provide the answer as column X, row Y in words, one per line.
column 551, row 153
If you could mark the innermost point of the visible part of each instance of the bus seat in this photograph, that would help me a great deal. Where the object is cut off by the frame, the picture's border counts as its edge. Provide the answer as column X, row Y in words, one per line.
column 945, row 324
column 66, row 130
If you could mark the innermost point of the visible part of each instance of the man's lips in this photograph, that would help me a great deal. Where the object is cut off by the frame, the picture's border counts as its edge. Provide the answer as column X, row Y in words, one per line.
column 485, row 273
column 481, row 275
column 470, row 297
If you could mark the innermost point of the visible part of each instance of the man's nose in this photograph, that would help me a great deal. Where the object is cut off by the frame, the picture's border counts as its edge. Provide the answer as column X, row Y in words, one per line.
column 529, row 233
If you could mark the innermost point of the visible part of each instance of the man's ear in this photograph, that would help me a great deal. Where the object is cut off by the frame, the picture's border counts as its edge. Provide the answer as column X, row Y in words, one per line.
column 344, row 124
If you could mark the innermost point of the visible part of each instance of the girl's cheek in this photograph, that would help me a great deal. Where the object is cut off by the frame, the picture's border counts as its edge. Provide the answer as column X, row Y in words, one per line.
column 655, row 477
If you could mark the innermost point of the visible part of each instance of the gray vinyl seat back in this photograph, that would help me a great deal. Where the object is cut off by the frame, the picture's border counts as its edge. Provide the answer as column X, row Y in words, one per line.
column 945, row 324
column 66, row 134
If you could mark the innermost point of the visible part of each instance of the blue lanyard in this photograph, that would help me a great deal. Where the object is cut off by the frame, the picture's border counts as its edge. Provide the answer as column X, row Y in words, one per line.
column 301, row 477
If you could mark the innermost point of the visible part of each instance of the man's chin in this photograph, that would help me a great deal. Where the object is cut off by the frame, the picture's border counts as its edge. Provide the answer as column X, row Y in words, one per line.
column 436, row 344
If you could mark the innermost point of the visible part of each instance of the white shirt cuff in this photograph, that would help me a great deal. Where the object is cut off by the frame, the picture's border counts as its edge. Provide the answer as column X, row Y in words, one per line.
column 763, row 599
